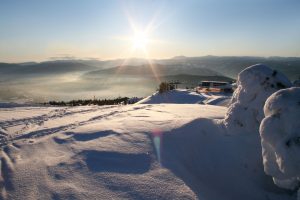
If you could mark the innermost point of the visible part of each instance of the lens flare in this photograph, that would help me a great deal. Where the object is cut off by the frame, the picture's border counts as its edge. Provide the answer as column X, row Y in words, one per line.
column 140, row 42
column 157, row 139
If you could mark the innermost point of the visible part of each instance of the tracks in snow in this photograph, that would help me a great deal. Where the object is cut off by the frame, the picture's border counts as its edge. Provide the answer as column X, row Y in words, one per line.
column 37, row 121
column 6, row 173
column 8, row 141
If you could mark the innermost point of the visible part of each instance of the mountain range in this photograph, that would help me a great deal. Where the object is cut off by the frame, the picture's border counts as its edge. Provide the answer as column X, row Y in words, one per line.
column 228, row 66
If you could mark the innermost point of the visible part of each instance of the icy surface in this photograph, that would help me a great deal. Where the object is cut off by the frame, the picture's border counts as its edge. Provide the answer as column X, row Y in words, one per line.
column 280, row 137
column 254, row 85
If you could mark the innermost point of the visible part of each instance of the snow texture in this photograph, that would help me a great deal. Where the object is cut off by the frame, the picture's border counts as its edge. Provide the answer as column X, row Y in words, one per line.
column 92, row 152
column 178, row 96
column 254, row 85
column 183, row 96
column 145, row 151
column 280, row 138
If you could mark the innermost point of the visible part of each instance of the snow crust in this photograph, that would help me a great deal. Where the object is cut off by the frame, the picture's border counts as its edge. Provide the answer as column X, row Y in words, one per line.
column 280, row 138
column 254, row 85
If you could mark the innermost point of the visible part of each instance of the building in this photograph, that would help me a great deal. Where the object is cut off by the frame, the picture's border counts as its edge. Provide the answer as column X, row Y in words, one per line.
column 215, row 86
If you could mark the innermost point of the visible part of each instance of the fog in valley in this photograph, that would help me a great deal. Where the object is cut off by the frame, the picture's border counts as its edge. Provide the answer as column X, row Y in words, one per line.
column 65, row 80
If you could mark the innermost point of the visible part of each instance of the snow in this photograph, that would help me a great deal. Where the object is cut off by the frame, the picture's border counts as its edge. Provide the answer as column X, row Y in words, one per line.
column 183, row 96
column 280, row 138
column 167, row 146
column 254, row 85
column 91, row 152
column 113, row 152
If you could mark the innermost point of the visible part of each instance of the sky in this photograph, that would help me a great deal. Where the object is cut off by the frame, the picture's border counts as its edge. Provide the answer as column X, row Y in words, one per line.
column 35, row 30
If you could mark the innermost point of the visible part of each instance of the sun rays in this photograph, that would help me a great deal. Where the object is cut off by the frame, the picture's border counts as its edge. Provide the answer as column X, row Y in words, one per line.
column 140, row 40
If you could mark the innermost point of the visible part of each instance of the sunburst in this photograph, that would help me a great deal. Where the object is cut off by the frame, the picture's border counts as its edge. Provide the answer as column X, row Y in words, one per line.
column 140, row 40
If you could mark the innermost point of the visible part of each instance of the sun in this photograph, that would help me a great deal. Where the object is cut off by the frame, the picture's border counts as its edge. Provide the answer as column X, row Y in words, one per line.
column 140, row 40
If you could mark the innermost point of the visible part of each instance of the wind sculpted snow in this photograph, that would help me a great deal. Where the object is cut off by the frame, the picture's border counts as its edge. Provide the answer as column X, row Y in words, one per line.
column 255, row 84
column 142, row 151
column 280, row 136
column 183, row 96
column 91, row 152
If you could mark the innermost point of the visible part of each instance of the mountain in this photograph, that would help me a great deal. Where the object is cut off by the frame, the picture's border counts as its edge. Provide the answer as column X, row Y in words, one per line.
column 231, row 65
column 206, row 65
column 194, row 79
column 45, row 68
column 154, row 70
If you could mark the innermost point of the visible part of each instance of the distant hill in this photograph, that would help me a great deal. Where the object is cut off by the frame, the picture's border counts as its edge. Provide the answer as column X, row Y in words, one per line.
column 66, row 79
column 6, row 68
column 228, row 66
column 194, row 79
column 231, row 66
column 154, row 70
column 44, row 68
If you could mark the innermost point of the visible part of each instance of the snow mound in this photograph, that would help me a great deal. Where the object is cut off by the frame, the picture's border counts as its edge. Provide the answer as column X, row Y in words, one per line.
column 218, row 99
column 91, row 152
column 183, row 96
column 162, row 151
column 254, row 85
column 280, row 138
column 178, row 96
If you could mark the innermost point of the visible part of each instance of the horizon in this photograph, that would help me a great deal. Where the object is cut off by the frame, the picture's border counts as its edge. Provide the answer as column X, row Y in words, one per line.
column 107, row 30
column 141, row 58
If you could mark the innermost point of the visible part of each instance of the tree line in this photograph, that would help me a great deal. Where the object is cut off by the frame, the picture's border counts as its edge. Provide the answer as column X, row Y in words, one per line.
column 99, row 102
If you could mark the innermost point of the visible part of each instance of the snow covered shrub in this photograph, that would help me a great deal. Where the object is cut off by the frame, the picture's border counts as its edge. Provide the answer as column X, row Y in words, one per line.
column 280, row 138
column 254, row 85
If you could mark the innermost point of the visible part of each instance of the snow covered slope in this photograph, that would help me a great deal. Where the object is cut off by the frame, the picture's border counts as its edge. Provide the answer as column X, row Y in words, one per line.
column 183, row 96
column 145, row 151
column 156, row 149
column 91, row 152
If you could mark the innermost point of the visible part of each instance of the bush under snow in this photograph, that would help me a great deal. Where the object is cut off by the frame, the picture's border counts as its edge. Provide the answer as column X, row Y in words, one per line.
column 254, row 85
column 280, row 138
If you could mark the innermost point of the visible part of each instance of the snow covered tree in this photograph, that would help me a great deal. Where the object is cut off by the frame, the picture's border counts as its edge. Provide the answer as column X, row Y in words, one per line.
column 280, row 138
column 254, row 85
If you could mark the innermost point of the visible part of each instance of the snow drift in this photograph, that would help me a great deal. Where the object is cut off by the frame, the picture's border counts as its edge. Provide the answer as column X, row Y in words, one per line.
column 155, row 149
column 254, row 85
column 183, row 96
column 280, row 138
column 178, row 96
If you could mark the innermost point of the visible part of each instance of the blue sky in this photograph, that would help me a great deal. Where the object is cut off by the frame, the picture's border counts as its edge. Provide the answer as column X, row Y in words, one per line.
column 39, row 30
